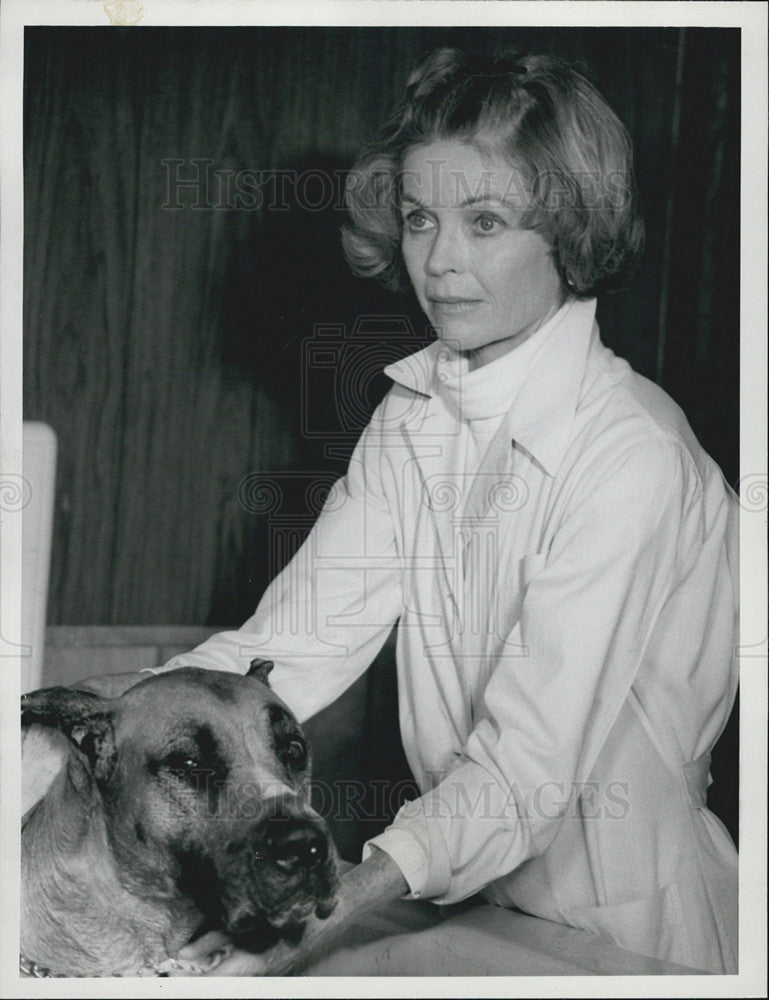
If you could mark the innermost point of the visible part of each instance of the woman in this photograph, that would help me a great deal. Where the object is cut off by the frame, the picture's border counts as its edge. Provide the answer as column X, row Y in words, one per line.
column 555, row 545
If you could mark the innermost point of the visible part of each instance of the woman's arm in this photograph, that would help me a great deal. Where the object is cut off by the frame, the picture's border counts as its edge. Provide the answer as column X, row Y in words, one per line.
column 633, row 526
column 326, row 615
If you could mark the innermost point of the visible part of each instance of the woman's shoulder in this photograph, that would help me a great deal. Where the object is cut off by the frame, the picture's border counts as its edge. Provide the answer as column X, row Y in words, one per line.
column 625, row 420
column 616, row 397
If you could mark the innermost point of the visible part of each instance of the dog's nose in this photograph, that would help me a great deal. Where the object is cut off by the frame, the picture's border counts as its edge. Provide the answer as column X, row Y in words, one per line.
column 292, row 844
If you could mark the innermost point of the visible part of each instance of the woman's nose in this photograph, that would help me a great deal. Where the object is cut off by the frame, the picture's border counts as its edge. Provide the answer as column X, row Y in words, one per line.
column 445, row 253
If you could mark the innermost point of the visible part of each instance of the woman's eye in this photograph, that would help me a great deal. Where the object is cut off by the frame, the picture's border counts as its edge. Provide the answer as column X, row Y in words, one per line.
column 487, row 224
column 417, row 222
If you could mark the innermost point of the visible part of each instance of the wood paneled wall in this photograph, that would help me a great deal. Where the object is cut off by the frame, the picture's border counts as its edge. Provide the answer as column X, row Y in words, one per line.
column 167, row 348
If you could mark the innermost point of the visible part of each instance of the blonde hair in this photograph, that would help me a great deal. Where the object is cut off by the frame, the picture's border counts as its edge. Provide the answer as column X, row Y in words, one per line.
column 548, row 122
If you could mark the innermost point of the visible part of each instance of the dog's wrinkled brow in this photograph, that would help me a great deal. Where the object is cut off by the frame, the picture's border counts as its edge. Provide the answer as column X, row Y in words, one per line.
column 210, row 751
column 219, row 686
column 281, row 719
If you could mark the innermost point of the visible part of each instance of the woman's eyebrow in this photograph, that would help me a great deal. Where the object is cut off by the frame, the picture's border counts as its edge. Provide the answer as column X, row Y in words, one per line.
column 473, row 200
column 411, row 199
column 488, row 198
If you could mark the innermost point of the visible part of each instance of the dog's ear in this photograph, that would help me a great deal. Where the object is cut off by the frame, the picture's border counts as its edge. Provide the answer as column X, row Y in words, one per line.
column 261, row 670
column 82, row 716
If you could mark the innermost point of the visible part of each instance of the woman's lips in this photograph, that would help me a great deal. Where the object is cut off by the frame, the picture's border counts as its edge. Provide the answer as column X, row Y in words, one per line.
column 453, row 306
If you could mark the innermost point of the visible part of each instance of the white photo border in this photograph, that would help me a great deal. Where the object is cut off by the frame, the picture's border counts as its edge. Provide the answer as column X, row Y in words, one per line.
column 751, row 17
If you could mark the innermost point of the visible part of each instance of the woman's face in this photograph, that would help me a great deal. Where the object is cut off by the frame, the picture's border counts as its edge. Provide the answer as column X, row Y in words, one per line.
column 485, row 283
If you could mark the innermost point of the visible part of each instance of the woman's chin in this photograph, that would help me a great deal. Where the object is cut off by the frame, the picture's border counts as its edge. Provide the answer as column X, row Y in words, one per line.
column 459, row 336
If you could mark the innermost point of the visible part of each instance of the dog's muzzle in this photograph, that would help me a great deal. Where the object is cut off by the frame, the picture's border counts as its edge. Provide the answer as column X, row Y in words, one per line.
column 294, row 846
column 287, row 872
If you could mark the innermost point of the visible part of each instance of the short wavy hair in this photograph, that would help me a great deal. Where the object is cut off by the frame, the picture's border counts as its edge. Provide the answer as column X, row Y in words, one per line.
column 572, row 152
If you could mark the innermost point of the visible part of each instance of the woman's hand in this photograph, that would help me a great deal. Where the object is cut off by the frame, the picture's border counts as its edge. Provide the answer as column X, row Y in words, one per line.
column 375, row 882
column 214, row 954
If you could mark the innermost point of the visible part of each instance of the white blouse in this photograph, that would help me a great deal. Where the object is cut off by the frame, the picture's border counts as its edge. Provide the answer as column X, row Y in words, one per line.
column 565, row 652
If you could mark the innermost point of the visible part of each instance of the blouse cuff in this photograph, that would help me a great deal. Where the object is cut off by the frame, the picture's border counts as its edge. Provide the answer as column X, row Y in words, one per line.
column 417, row 847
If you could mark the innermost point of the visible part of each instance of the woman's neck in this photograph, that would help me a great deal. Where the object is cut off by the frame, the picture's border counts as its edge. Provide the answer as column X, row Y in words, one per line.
column 481, row 356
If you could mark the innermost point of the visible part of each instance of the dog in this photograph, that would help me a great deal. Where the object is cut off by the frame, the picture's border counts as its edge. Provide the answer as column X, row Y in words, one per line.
column 182, row 804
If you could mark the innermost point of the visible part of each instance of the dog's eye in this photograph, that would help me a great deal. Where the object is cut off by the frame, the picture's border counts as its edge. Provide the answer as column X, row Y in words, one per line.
column 183, row 763
column 296, row 752
column 289, row 742
column 292, row 751
column 194, row 760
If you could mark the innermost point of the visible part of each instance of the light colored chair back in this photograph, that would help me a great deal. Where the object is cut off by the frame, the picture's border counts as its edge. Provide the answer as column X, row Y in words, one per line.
column 39, row 470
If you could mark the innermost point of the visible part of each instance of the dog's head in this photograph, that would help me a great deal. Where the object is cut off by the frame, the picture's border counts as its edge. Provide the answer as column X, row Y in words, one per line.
column 203, row 780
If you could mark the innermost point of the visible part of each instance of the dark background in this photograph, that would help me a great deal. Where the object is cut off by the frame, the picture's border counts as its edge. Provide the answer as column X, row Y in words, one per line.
column 170, row 349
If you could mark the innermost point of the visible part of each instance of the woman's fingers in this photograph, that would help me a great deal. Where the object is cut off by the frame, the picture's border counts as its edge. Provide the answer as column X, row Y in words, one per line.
column 213, row 954
column 206, row 946
column 242, row 963
column 280, row 960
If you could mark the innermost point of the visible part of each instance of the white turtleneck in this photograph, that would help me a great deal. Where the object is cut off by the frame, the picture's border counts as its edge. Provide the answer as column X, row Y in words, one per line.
column 479, row 399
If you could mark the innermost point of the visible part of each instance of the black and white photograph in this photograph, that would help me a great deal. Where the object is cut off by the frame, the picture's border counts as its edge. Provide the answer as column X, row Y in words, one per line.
column 383, row 498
